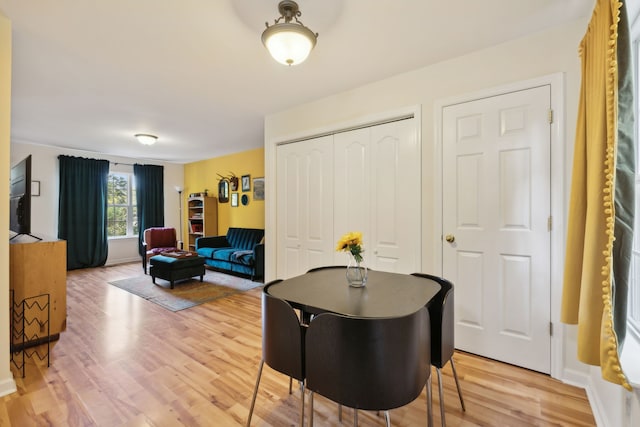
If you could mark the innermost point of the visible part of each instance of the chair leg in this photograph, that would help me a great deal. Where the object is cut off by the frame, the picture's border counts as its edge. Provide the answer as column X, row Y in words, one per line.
column 441, row 394
column 290, row 385
column 310, row 409
column 339, row 412
column 302, row 404
column 255, row 392
column 355, row 417
column 387, row 418
column 455, row 376
column 429, row 403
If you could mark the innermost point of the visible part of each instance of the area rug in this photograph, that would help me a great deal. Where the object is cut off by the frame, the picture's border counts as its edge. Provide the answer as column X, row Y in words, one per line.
column 185, row 293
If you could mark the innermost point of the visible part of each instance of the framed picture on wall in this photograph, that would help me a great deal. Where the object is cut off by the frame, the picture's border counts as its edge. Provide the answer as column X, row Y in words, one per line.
column 258, row 188
column 246, row 183
column 234, row 200
column 223, row 191
column 35, row 188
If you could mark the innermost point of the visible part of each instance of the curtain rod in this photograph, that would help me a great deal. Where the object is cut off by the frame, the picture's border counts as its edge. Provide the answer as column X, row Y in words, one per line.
column 126, row 164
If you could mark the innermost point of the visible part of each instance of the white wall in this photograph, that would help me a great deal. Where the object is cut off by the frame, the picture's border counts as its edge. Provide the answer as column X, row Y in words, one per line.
column 542, row 54
column 44, row 209
column 613, row 406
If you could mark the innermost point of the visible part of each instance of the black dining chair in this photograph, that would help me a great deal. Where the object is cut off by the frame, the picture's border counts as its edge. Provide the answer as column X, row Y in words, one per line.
column 282, row 344
column 369, row 364
column 306, row 317
column 442, row 335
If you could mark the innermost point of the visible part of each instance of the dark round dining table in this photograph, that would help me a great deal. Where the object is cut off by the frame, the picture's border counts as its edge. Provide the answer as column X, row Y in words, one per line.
column 384, row 295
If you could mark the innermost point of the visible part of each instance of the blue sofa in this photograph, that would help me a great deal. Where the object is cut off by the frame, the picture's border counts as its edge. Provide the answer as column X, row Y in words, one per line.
column 240, row 251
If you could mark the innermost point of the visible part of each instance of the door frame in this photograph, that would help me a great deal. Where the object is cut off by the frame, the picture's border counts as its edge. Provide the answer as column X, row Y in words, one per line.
column 557, row 194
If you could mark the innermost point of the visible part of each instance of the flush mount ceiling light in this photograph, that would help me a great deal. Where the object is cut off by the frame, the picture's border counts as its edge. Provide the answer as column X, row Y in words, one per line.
column 289, row 42
column 146, row 139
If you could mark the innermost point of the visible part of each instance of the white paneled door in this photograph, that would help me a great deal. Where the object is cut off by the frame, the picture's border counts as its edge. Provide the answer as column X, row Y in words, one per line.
column 496, row 219
column 305, row 206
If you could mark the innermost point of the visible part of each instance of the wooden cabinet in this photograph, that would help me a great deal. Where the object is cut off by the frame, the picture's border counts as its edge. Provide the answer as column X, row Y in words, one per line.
column 38, row 268
column 202, row 217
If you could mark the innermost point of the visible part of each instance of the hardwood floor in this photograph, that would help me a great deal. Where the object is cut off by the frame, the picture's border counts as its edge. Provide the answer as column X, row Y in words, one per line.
column 124, row 361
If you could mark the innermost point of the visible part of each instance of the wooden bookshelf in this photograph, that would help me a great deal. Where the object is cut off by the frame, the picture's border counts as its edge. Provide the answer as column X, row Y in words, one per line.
column 202, row 218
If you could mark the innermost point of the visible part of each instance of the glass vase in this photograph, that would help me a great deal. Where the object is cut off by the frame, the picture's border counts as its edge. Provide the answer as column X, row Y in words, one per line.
column 356, row 273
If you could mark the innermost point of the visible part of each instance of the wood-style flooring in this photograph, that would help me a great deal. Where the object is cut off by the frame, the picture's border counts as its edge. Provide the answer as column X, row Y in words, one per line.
column 124, row 361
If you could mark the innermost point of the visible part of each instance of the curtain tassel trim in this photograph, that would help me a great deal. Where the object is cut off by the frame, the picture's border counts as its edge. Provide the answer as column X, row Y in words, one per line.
column 609, row 358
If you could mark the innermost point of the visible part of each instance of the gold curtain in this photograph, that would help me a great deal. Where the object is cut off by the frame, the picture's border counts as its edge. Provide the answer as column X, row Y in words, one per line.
column 587, row 291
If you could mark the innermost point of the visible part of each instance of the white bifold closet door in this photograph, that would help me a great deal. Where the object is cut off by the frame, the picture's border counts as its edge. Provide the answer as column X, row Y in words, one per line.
column 377, row 192
column 304, row 206
column 364, row 180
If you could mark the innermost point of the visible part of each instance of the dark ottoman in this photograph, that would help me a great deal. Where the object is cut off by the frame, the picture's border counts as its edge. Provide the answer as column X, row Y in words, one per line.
column 172, row 268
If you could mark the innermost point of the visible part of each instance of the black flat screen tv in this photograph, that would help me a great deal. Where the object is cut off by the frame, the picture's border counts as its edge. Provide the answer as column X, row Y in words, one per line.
column 20, row 197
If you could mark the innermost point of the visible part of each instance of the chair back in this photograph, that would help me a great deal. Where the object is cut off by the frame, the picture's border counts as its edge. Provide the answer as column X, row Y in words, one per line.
column 282, row 336
column 332, row 267
column 370, row 364
column 160, row 237
column 442, row 321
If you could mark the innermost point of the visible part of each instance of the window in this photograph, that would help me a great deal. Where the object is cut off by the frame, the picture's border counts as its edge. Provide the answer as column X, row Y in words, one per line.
column 122, row 214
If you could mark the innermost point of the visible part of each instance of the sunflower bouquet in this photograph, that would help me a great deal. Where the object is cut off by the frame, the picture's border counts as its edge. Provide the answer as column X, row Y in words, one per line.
column 352, row 243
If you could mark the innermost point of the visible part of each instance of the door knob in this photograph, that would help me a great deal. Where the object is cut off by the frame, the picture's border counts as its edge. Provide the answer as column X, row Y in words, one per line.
column 450, row 238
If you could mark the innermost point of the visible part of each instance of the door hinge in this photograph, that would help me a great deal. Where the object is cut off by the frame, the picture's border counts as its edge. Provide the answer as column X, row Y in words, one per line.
column 550, row 117
column 550, row 329
column 549, row 223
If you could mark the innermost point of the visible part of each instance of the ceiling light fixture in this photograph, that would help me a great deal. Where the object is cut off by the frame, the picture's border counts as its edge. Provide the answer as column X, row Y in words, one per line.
column 289, row 42
column 146, row 139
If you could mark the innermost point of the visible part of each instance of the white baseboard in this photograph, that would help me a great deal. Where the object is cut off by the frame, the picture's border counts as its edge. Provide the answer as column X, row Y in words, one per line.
column 123, row 261
column 7, row 386
column 584, row 381
column 596, row 404
column 575, row 378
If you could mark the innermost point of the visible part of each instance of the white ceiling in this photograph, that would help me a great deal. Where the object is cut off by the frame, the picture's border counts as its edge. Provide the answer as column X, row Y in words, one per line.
column 89, row 74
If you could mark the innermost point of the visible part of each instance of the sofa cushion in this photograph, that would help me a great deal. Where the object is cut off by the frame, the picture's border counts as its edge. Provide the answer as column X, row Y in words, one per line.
column 208, row 252
column 223, row 254
column 244, row 238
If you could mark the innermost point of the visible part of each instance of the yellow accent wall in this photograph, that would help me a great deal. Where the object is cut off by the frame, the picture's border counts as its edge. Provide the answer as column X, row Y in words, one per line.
column 203, row 175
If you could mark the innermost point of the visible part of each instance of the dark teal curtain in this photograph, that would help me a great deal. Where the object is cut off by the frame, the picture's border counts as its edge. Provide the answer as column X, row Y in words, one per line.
column 625, row 181
column 82, row 211
column 149, row 198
